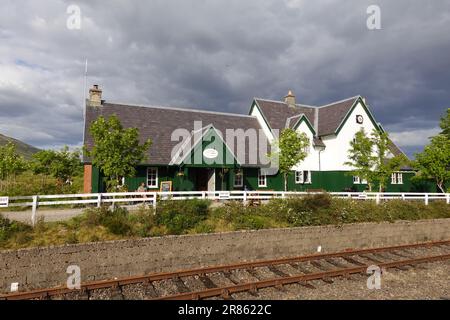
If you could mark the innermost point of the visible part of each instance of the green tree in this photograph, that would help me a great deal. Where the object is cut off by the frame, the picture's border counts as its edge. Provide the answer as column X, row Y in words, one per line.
column 291, row 150
column 384, row 166
column 361, row 157
column 116, row 151
column 445, row 124
column 434, row 161
column 62, row 165
column 11, row 164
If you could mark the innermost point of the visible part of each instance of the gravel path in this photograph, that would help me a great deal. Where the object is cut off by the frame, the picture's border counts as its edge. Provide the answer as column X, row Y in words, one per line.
column 50, row 215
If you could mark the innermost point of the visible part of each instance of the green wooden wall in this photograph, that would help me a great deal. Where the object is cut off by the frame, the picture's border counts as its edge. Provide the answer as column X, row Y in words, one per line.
column 333, row 181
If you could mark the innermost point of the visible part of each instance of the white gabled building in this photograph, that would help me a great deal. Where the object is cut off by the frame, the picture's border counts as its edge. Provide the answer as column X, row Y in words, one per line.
column 330, row 129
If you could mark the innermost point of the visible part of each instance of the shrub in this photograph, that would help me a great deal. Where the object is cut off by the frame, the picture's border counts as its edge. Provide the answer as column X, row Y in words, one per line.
column 231, row 210
column 251, row 222
column 115, row 220
column 9, row 229
column 179, row 216
column 142, row 222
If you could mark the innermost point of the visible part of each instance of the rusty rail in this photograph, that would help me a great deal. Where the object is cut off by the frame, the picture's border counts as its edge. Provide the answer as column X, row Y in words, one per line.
column 253, row 286
column 94, row 285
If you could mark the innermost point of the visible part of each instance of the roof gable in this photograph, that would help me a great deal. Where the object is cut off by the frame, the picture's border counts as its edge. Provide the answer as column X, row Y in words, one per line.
column 302, row 118
column 159, row 123
column 210, row 139
column 276, row 113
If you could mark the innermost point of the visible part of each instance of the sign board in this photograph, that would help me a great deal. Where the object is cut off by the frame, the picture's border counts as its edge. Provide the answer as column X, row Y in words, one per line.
column 4, row 202
column 210, row 153
column 166, row 186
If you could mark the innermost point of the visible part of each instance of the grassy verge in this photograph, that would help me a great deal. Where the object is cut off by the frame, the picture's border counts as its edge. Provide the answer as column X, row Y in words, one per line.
column 197, row 216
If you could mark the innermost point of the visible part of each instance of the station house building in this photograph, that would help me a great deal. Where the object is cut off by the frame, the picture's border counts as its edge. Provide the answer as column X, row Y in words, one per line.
column 192, row 148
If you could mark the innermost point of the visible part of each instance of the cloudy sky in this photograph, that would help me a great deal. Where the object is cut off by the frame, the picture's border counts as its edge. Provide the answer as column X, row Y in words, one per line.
column 218, row 55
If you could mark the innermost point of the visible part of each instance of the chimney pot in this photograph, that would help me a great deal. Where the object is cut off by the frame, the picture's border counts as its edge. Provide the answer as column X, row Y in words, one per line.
column 290, row 99
column 95, row 96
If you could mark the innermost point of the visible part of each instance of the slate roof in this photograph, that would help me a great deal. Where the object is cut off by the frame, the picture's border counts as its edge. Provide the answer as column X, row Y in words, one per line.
column 330, row 116
column 158, row 123
column 280, row 115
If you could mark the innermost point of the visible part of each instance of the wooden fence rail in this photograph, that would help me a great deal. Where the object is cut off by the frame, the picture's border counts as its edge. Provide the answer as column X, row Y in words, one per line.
column 151, row 198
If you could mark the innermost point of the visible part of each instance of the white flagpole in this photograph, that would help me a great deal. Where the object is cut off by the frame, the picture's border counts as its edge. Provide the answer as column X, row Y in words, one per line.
column 84, row 96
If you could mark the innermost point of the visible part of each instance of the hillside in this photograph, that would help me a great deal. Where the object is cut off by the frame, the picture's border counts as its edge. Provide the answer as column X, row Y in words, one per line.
column 22, row 148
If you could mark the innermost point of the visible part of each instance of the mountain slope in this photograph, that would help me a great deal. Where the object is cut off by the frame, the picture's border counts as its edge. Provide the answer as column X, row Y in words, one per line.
column 21, row 147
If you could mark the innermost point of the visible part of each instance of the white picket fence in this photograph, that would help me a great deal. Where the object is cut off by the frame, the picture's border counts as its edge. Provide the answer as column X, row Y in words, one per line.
column 151, row 198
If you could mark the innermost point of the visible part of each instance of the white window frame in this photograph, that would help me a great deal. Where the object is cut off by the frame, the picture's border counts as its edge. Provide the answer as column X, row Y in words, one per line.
column 241, row 177
column 393, row 178
column 309, row 180
column 356, row 180
column 260, row 175
column 397, row 178
column 300, row 177
column 155, row 185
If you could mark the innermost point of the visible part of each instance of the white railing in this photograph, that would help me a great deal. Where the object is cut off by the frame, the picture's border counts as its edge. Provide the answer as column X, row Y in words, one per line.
column 151, row 198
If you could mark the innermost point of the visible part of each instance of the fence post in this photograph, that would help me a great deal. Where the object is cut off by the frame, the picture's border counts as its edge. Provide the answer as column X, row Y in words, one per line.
column 203, row 195
column 448, row 198
column 99, row 200
column 154, row 201
column 377, row 198
column 33, row 210
column 426, row 199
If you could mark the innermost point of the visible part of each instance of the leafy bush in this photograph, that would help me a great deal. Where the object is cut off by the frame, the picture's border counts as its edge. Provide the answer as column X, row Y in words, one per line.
column 179, row 216
column 9, row 229
column 142, row 222
column 115, row 220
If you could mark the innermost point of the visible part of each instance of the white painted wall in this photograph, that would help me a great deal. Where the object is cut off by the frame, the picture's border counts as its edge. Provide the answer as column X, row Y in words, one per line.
column 256, row 113
column 335, row 154
column 311, row 162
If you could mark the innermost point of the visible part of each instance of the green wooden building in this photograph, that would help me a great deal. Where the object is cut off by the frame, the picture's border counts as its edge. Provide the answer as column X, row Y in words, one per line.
column 211, row 151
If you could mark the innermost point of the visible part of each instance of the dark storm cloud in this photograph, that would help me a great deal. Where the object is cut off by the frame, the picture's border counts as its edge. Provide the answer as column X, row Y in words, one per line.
column 217, row 55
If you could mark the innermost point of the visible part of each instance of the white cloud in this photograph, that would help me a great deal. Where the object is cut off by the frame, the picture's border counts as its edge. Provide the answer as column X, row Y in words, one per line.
column 413, row 138
column 217, row 55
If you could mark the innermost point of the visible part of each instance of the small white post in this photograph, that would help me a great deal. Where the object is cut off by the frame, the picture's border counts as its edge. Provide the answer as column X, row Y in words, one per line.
column 203, row 195
column 426, row 199
column 33, row 210
column 283, row 195
column 448, row 198
column 99, row 200
column 377, row 198
column 154, row 201
column 403, row 196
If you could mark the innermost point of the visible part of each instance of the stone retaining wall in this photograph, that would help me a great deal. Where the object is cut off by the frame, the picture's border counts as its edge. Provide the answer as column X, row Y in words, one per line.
column 45, row 267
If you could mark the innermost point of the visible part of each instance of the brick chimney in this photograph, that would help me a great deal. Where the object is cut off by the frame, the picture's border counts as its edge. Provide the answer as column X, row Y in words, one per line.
column 95, row 96
column 290, row 99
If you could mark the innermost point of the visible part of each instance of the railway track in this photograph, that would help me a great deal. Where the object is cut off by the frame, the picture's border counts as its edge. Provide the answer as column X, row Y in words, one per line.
column 226, row 280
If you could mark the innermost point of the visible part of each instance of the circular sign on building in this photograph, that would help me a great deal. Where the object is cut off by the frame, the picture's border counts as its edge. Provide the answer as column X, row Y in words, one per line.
column 210, row 153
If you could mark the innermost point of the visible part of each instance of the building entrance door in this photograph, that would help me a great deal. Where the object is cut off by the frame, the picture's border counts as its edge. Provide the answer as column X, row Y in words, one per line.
column 205, row 179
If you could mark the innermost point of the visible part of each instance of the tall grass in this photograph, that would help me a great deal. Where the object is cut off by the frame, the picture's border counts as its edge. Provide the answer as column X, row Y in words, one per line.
column 198, row 216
